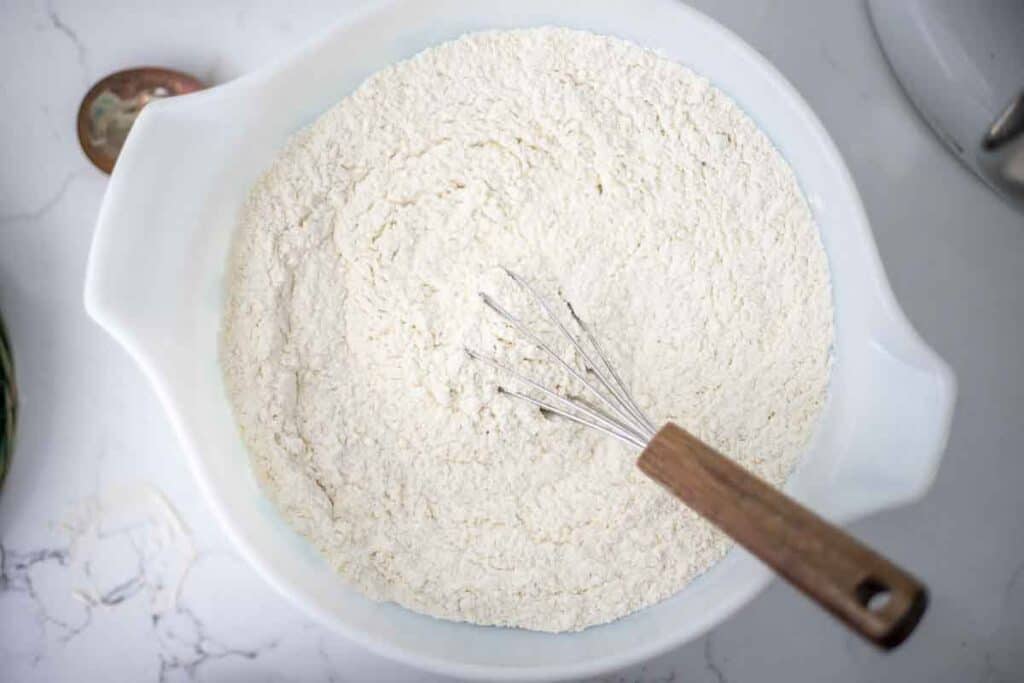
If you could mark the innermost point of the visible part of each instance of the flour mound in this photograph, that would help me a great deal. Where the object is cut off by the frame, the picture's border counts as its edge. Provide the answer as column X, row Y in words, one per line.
column 605, row 174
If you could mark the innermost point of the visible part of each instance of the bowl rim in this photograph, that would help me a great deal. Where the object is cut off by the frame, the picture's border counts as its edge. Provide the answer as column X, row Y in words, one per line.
column 99, row 310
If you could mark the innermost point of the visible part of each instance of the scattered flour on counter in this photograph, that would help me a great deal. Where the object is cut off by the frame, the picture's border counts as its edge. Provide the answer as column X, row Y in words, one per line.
column 130, row 541
column 606, row 174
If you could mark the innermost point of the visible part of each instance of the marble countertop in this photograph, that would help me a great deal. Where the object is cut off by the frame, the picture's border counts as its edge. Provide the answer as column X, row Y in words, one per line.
column 112, row 566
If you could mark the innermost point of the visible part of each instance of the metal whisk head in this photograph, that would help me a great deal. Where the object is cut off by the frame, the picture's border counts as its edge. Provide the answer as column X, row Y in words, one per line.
column 613, row 410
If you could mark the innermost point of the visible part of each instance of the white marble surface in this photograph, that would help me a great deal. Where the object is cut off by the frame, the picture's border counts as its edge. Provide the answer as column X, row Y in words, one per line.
column 91, row 560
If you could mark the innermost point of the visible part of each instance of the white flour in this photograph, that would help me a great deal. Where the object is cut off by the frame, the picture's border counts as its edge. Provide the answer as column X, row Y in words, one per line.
column 586, row 164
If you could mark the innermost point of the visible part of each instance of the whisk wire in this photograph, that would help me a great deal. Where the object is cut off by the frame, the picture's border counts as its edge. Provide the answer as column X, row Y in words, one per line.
column 628, row 398
column 624, row 402
column 589, row 412
column 619, row 412
column 622, row 435
column 624, row 421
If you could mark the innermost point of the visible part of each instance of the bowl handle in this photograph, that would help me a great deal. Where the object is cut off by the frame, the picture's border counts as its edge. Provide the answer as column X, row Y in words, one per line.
column 902, row 418
column 137, row 269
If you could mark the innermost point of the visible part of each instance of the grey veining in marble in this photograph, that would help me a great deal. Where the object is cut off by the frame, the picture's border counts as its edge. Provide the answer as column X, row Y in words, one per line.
column 72, row 591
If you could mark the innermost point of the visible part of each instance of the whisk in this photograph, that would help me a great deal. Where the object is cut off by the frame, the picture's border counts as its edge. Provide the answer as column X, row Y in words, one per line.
column 869, row 593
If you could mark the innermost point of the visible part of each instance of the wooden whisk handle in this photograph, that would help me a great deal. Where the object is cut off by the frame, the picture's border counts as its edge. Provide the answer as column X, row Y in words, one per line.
column 873, row 596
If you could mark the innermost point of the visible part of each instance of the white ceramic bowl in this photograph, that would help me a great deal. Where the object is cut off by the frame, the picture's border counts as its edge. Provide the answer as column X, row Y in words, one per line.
column 155, row 282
